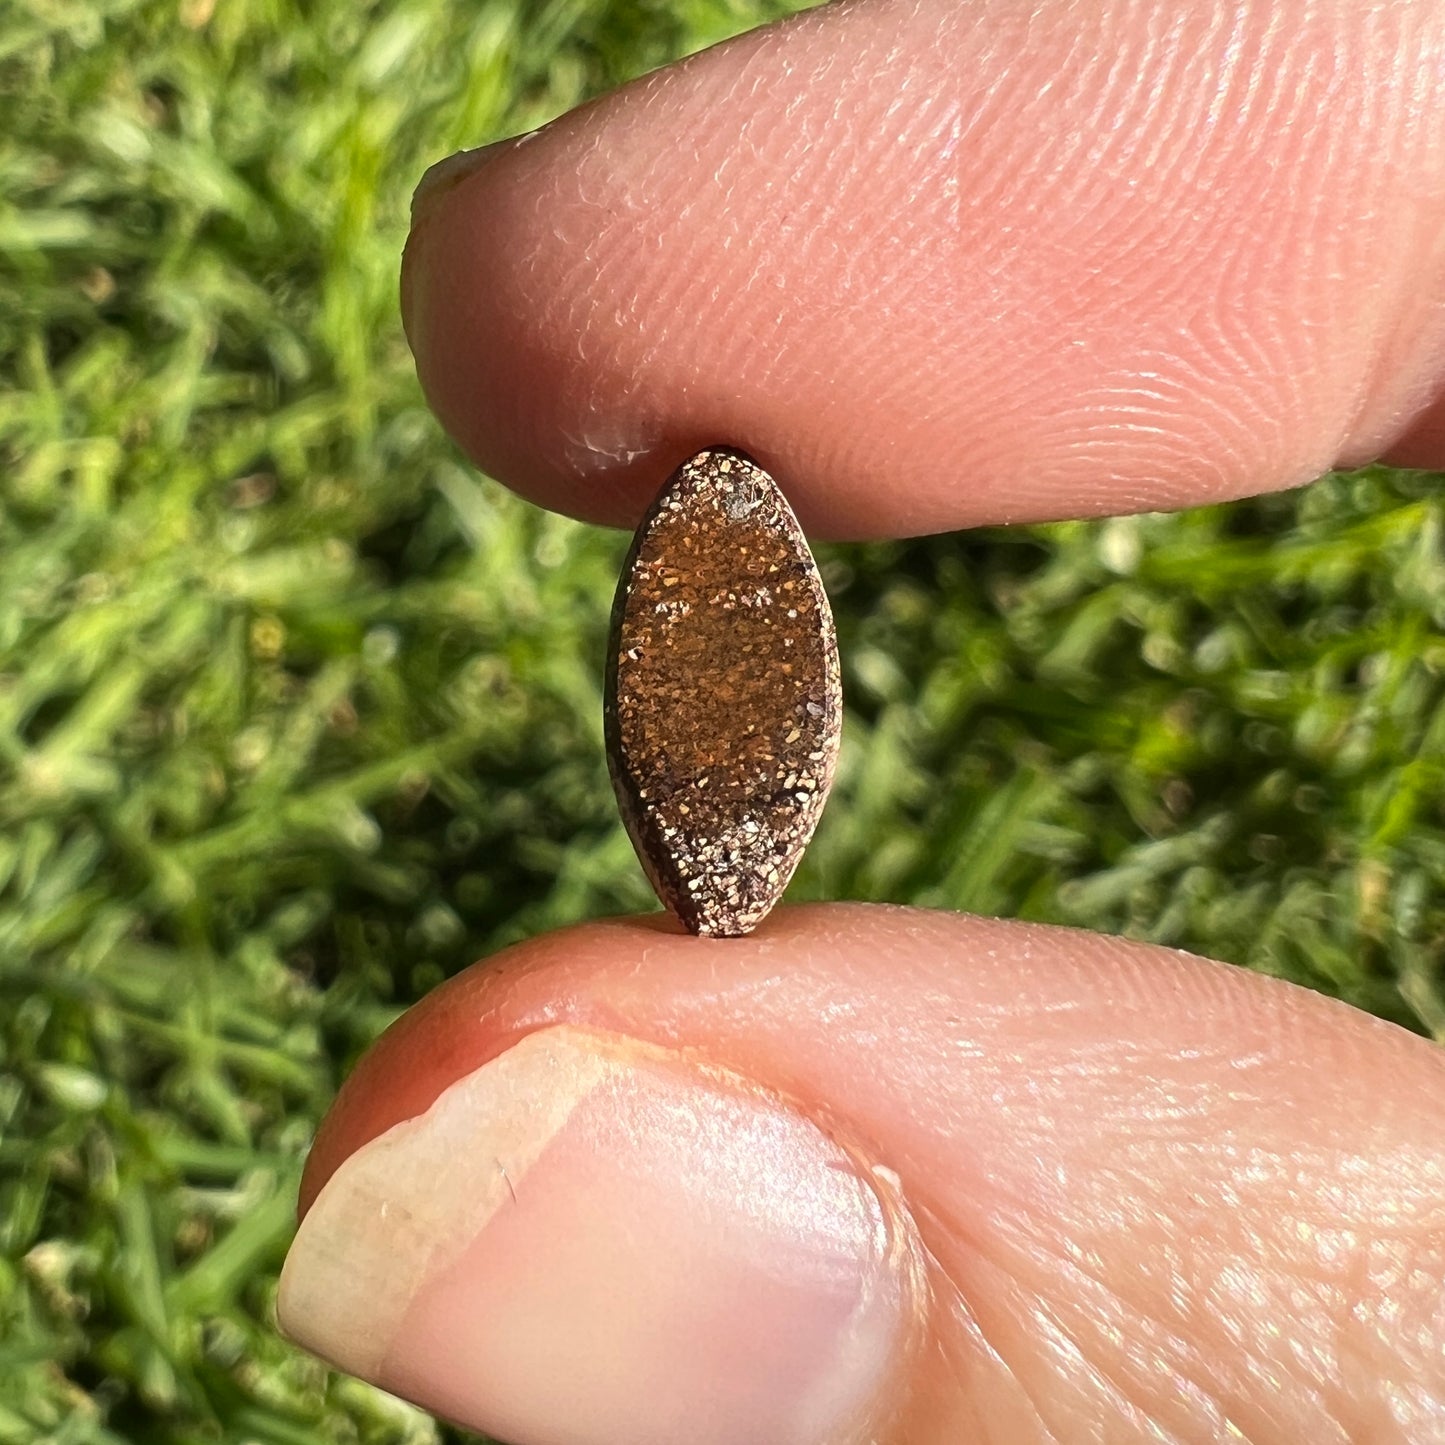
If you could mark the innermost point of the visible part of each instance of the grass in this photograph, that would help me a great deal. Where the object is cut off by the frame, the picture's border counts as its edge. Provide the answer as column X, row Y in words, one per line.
column 298, row 715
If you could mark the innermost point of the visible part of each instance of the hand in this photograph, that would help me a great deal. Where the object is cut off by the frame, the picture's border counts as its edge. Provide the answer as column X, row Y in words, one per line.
column 879, row 1174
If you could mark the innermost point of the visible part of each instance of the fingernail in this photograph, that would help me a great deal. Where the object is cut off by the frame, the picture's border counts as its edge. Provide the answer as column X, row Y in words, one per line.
column 446, row 174
column 592, row 1241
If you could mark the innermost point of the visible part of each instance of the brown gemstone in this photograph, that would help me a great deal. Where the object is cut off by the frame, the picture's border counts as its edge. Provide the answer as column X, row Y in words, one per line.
column 723, row 700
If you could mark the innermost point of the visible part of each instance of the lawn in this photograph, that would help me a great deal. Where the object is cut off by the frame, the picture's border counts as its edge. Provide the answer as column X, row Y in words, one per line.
column 299, row 715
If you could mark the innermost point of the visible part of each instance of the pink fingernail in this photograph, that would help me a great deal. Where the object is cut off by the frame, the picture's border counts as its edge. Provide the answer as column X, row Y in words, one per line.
column 596, row 1242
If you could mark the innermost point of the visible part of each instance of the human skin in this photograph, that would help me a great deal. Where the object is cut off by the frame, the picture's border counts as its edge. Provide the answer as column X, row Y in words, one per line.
column 887, row 1175
column 940, row 264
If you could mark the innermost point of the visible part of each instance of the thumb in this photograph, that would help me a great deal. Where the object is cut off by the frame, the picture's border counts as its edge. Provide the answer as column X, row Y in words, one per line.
column 883, row 1175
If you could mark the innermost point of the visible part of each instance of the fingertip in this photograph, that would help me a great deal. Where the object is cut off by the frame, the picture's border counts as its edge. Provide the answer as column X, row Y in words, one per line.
column 593, row 304
column 501, row 337
column 597, row 1240
column 937, row 266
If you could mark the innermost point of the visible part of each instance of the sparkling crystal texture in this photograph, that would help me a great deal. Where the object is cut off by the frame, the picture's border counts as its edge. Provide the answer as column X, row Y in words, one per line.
column 723, row 700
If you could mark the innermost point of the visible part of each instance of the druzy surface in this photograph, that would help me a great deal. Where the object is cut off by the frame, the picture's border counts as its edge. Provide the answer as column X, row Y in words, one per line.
column 723, row 699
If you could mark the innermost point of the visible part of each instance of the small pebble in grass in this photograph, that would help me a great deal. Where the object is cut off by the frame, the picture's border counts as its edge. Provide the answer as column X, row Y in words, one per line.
column 724, row 705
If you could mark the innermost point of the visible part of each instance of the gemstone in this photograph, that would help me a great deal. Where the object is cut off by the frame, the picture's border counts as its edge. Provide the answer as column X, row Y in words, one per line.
column 724, row 706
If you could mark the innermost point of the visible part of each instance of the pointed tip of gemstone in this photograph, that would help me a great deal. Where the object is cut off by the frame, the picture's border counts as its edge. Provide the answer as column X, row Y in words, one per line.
column 724, row 706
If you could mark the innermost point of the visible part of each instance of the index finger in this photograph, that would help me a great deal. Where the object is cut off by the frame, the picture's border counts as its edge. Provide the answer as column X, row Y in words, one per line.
column 938, row 265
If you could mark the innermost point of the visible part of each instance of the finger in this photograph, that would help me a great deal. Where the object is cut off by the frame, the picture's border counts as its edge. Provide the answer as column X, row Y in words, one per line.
column 940, row 264
column 886, row 1175
column 1423, row 442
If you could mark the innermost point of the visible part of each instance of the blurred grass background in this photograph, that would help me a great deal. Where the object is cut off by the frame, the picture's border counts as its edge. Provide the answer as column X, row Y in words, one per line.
column 298, row 715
